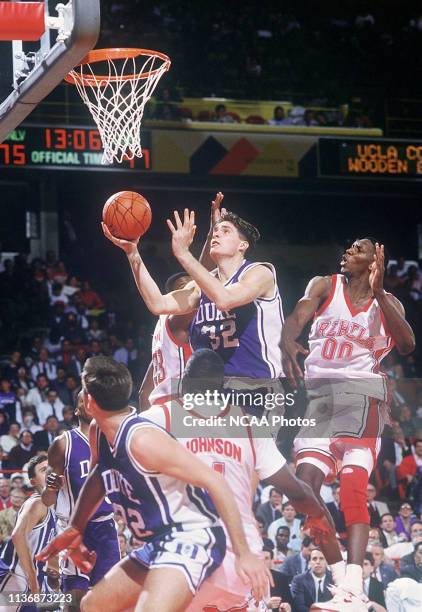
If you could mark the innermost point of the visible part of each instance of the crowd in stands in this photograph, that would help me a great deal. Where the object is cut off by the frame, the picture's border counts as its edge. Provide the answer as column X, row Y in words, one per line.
column 40, row 377
column 332, row 55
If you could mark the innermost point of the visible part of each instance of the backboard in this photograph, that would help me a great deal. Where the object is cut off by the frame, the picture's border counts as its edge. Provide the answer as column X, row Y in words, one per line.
column 30, row 69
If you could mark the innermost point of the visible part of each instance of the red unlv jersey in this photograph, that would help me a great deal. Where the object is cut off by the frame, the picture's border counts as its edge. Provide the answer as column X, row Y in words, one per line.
column 347, row 345
column 169, row 357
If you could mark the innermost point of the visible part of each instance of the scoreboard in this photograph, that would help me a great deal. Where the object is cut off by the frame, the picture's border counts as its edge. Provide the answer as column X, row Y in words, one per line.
column 370, row 158
column 63, row 147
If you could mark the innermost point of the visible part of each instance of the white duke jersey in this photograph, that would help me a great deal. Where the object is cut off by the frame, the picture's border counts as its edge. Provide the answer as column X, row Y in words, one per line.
column 169, row 357
column 238, row 459
column 347, row 345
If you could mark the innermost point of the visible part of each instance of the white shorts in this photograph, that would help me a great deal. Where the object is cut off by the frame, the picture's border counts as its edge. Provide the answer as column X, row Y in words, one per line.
column 195, row 553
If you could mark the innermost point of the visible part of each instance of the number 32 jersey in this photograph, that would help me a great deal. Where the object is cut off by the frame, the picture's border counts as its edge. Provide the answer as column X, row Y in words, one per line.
column 247, row 338
column 347, row 344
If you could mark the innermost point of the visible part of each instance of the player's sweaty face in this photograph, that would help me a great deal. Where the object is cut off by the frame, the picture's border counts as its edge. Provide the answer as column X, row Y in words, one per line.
column 358, row 257
column 225, row 239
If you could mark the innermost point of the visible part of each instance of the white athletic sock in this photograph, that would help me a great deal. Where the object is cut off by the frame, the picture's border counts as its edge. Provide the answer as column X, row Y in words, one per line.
column 354, row 577
column 338, row 571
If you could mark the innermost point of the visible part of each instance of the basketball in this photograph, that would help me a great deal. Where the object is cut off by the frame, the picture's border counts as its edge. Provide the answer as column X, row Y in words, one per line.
column 127, row 215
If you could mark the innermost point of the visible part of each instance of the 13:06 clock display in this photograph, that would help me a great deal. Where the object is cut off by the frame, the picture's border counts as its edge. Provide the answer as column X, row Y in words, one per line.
column 64, row 147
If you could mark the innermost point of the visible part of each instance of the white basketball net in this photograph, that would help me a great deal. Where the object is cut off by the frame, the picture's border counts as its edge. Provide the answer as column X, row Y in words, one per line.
column 117, row 104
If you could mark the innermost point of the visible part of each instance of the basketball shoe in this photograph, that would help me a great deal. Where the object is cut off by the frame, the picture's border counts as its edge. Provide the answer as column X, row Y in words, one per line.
column 343, row 600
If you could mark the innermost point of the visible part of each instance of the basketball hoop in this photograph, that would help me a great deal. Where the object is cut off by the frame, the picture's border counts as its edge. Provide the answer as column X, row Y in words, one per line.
column 116, row 98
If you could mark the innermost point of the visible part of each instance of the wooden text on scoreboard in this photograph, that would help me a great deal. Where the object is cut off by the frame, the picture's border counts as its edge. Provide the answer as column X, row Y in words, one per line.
column 382, row 159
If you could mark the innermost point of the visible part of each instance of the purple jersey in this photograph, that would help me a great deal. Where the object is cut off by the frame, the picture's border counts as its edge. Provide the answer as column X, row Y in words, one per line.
column 76, row 469
column 248, row 337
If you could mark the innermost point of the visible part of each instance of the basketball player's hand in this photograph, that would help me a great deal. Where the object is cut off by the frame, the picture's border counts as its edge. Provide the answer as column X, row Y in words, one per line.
column 216, row 210
column 54, row 482
column 292, row 369
column 128, row 246
column 251, row 569
column 70, row 540
column 182, row 233
column 376, row 276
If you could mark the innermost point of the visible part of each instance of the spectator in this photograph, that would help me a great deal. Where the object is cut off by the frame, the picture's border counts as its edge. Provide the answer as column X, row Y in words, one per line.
column 23, row 381
column 4, row 424
column 409, row 475
column 336, row 513
column 404, row 520
column 388, row 529
column 383, row 572
column 68, row 421
column 38, row 394
column 58, row 295
column 95, row 348
column 288, row 519
column 59, row 385
column 279, row 117
column 413, row 569
column 221, row 115
column 8, row 516
column 123, row 545
column 5, row 501
column 298, row 563
column 281, row 581
column 408, row 423
column 53, row 406
column 271, row 510
column 45, row 437
column 10, row 371
column 312, row 587
column 372, row 588
column 78, row 362
column 90, row 298
column 94, row 332
column 375, row 508
column 28, row 419
column 281, row 550
column 7, row 399
column 401, row 549
column 22, row 452
column 44, row 366
column 127, row 354
column 11, row 439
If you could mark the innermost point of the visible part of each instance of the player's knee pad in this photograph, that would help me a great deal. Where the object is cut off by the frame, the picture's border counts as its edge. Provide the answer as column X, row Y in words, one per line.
column 353, row 484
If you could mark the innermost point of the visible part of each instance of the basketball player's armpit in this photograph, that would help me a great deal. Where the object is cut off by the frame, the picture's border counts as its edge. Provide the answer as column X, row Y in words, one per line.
column 396, row 323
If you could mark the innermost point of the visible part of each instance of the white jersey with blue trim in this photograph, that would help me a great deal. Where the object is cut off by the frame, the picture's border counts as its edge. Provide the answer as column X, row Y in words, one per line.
column 151, row 502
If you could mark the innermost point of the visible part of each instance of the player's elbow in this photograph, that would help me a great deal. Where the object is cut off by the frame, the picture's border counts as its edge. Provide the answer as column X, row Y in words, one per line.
column 406, row 346
column 225, row 302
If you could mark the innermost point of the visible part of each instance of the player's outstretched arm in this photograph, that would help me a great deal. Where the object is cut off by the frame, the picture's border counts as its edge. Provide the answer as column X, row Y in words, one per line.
column 145, row 389
column 55, row 469
column 216, row 212
column 392, row 309
column 177, row 302
column 156, row 451
column 32, row 513
column 256, row 282
column 316, row 292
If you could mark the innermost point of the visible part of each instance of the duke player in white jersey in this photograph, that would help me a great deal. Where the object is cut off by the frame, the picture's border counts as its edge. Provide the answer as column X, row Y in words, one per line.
column 167, row 496
column 239, row 452
column 355, row 324
column 35, row 527
column 68, row 467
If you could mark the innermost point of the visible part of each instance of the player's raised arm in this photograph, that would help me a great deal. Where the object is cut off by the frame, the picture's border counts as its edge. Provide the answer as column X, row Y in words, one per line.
column 177, row 302
column 32, row 513
column 156, row 451
column 55, row 469
column 392, row 309
column 316, row 292
column 216, row 212
column 256, row 282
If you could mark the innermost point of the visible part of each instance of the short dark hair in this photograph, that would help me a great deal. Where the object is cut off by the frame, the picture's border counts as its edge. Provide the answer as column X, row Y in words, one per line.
column 375, row 241
column 369, row 557
column 248, row 231
column 268, row 550
column 417, row 545
column 51, row 416
column 386, row 514
column 108, row 381
column 283, row 527
column 287, row 503
column 204, row 370
column 170, row 282
column 33, row 462
column 307, row 541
